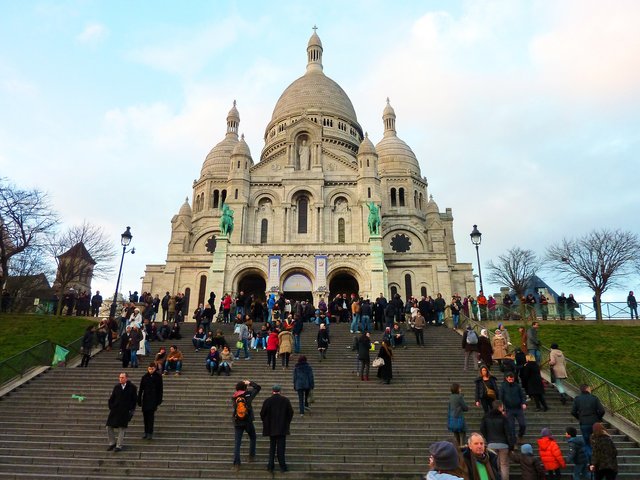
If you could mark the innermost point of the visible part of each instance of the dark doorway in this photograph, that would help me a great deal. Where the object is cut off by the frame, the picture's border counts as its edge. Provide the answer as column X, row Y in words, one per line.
column 343, row 283
column 253, row 284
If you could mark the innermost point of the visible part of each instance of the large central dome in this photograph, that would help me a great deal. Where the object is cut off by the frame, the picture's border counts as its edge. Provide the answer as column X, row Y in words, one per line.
column 314, row 92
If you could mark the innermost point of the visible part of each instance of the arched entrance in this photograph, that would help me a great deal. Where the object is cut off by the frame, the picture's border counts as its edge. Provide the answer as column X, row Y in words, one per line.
column 253, row 284
column 297, row 286
column 343, row 282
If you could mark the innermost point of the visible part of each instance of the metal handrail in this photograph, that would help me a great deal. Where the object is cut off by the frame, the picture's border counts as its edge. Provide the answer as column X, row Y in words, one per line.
column 39, row 355
column 616, row 400
column 584, row 311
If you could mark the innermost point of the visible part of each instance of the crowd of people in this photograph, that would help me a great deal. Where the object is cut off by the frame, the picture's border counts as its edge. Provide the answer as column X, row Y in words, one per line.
column 497, row 442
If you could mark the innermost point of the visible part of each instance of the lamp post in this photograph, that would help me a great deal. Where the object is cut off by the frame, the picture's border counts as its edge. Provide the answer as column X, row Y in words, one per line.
column 125, row 240
column 476, row 239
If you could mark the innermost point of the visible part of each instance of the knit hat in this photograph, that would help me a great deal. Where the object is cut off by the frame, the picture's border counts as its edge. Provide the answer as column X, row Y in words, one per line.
column 526, row 449
column 445, row 455
column 546, row 432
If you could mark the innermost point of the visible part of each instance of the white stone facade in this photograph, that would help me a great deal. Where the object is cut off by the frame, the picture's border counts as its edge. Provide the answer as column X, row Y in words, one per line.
column 300, row 213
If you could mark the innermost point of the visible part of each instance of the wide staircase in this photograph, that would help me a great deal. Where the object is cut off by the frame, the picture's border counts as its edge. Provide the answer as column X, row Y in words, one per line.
column 356, row 429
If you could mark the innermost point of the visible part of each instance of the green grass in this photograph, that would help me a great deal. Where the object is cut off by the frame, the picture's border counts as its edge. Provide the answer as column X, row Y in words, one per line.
column 611, row 351
column 20, row 332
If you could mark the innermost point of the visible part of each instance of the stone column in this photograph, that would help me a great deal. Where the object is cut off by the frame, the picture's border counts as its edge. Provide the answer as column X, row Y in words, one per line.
column 219, row 265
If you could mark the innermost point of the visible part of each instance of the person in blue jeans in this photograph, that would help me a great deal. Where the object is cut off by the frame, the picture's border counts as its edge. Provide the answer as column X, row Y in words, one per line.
column 246, row 391
column 174, row 360
column 243, row 337
column 366, row 312
column 297, row 331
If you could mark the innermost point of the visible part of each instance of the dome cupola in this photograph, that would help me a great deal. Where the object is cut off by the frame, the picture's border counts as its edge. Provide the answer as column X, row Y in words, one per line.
column 395, row 156
column 217, row 162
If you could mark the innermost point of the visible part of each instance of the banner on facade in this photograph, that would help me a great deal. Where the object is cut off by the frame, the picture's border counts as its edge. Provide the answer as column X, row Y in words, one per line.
column 274, row 273
column 321, row 272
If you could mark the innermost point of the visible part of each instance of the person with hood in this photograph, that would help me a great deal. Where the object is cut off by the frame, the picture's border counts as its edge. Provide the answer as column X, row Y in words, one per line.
column 486, row 389
column 577, row 454
column 531, row 468
column 532, row 383
column 122, row 404
column 485, row 350
column 604, row 461
column 496, row 431
column 558, row 366
column 303, row 382
column 444, row 463
column 150, row 398
column 515, row 403
column 481, row 462
column 243, row 418
column 363, row 347
column 455, row 421
column 323, row 341
column 550, row 455
column 285, row 345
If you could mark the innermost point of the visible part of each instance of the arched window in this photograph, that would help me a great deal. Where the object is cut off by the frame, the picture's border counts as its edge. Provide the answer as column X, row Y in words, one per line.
column 223, row 197
column 341, row 230
column 420, row 201
column 303, row 207
column 367, row 162
column 238, row 164
column 401, row 196
column 264, row 229
column 407, row 285
column 415, row 199
column 423, row 291
column 216, row 199
column 393, row 197
column 368, row 192
column 236, row 194
column 394, row 291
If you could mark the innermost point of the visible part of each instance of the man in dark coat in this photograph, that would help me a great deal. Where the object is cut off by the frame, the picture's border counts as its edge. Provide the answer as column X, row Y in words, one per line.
column 478, row 458
column 587, row 409
column 276, row 415
column 96, row 303
column 122, row 403
column 150, row 398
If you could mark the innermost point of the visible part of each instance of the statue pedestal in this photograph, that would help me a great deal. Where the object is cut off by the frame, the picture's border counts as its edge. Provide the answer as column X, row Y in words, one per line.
column 218, row 266
column 377, row 266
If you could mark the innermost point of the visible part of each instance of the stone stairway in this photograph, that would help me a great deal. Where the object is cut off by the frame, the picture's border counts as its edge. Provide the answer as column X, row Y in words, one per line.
column 356, row 429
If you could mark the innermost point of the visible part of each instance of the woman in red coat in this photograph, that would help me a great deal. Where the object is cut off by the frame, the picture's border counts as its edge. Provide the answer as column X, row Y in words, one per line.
column 272, row 348
column 550, row 454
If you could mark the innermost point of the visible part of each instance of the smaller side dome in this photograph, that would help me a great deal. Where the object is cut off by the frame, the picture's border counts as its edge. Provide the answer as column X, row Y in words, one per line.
column 185, row 209
column 241, row 148
column 366, row 147
column 432, row 206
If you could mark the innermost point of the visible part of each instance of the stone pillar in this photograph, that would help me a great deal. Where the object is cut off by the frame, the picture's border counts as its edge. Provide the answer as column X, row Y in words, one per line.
column 377, row 267
column 219, row 266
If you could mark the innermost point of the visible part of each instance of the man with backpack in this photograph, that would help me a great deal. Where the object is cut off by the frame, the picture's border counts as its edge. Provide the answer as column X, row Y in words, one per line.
column 470, row 346
column 243, row 417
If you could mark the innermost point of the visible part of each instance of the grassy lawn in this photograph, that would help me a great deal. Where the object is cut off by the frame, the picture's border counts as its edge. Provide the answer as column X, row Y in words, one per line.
column 19, row 332
column 611, row 351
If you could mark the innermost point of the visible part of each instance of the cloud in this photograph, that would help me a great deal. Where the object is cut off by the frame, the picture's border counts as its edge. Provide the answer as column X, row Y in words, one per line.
column 92, row 34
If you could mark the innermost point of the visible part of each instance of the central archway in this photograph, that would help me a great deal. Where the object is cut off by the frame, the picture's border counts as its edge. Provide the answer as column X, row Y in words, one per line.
column 343, row 282
column 253, row 284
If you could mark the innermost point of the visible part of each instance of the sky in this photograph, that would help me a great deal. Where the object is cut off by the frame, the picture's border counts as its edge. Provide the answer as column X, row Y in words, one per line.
column 524, row 115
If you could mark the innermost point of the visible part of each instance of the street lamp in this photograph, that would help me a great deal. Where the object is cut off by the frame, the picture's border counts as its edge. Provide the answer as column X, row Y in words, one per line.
column 476, row 239
column 125, row 240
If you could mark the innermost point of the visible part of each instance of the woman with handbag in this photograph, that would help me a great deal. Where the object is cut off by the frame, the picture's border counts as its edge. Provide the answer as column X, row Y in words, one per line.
column 383, row 362
column 455, row 420
column 486, row 389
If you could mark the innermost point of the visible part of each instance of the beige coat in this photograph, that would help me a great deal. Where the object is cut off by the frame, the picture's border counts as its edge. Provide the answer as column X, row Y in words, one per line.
column 499, row 347
column 285, row 339
column 557, row 361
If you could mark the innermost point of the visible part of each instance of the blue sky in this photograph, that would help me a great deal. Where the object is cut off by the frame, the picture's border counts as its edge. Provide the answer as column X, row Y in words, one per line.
column 524, row 115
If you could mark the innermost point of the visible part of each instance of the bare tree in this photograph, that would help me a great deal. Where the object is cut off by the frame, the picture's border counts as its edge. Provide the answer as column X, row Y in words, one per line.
column 81, row 253
column 599, row 260
column 26, row 219
column 514, row 269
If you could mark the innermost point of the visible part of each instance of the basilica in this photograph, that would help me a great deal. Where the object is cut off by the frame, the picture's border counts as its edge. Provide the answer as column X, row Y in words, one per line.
column 323, row 211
